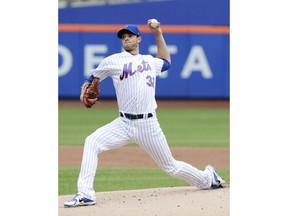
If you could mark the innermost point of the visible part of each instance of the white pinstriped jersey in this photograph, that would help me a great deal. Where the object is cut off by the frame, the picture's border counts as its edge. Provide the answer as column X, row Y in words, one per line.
column 134, row 79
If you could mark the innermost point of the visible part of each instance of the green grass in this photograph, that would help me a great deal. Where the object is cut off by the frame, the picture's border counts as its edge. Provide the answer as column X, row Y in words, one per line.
column 182, row 127
column 77, row 123
column 113, row 179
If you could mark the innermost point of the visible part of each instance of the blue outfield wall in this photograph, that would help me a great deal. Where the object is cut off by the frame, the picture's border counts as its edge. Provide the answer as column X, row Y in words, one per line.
column 200, row 61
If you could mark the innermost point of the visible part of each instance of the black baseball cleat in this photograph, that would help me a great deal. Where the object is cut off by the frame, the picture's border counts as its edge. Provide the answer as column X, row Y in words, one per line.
column 217, row 181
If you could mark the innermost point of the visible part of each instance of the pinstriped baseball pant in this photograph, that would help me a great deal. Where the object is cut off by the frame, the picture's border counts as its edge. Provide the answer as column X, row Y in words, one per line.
column 149, row 136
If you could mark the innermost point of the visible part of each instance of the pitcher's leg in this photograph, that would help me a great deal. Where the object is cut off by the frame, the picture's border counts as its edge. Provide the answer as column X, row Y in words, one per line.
column 154, row 143
column 108, row 137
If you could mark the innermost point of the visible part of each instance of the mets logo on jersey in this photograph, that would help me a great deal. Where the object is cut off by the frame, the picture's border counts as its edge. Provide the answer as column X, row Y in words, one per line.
column 127, row 69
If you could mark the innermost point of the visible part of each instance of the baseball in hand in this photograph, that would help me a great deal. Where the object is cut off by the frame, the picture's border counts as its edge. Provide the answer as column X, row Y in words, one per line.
column 154, row 23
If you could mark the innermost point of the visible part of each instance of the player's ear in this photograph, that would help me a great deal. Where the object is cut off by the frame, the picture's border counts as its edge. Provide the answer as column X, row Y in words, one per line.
column 139, row 39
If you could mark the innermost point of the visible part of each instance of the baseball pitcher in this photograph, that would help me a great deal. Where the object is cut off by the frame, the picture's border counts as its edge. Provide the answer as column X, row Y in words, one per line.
column 134, row 78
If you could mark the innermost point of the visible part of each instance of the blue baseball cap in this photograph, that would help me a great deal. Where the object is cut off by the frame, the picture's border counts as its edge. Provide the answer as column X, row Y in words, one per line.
column 130, row 29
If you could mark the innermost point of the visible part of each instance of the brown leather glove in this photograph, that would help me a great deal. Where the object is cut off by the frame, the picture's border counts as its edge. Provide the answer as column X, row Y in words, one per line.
column 90, row 92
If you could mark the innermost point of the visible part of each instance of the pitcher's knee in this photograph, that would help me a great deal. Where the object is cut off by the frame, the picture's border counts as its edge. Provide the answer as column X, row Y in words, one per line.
column 92, row 143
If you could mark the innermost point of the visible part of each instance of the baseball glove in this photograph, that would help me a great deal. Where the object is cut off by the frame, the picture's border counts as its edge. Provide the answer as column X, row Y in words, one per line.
column 90, row 92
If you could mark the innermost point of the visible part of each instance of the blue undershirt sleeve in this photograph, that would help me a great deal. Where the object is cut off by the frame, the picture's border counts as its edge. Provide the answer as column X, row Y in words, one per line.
column 166, row 65
column 89, row 79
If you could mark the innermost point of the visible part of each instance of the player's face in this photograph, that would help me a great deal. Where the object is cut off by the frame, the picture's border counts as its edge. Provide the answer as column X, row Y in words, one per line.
column 130, row 42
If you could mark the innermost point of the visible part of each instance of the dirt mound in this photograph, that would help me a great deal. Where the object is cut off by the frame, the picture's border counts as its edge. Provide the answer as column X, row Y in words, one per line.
column 184, row 201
